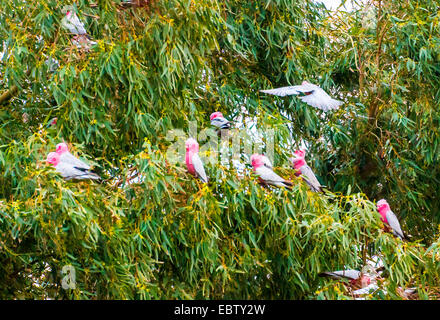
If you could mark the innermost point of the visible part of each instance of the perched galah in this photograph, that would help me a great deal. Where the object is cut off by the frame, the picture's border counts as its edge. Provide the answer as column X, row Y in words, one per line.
column 313, row 95
column 219, row 121
column 388, row 217
column 356, row 278
column 65, row 156
column 298, row 163
column 73, row 24
column 193, row 161
column 266, row 174
column 69, row 171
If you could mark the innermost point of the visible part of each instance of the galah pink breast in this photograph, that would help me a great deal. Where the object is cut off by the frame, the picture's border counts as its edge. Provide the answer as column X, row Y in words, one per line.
column 388, row 217
column 313, row 95
column 193, row 162
column 265, row 174
column 219, row 121
column 69, row 171
column 298, row 163
column 356, row 278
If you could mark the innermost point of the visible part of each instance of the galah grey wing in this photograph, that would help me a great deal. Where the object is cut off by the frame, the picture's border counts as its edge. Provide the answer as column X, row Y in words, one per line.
column 69, row 171
column 394, row 224
column 321, row 100
column 267, row 162
column 270, row 177
column 221, row 123
column 310, row 178
column 348, row 274
column 290, row 90
column 199, row 168
column 69, row 158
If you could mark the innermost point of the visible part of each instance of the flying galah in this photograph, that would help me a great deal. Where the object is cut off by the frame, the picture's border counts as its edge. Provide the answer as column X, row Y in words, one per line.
column 193, row 161
column 73, row 24
column 388, row 217
column 313, row 95
column 266, row 174
column 298, row 163
column 69, row 171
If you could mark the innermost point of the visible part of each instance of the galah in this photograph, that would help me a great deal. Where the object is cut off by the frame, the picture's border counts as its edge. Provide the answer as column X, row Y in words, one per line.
column 193, row 161
column 65, row 156
column 298, row 163
column 313, row 95
column 357, row 279
column 219, row 121
column 73, row 24
column 265, row 174
column 388, row 217
column 69, row 171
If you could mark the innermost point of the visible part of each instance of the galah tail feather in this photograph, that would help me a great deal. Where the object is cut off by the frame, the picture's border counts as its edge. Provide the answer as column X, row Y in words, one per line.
column 388, row 217
column 265, row 174
column 69, row 171
column 298, row 163
column 193, row 161
column 313, row 95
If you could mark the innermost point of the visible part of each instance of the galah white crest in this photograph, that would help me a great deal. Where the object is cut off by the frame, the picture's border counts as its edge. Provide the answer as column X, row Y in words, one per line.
column 265, row 174
column 69, row 171
column 313, row 95
column 388, row 217
column 193, row 161
column 298, row 163
column 219, row 121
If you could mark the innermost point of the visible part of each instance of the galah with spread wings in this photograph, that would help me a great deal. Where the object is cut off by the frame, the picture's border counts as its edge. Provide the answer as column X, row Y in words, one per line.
column 193, row 161
column 388, row 217
column 69, row 171
column 265, row 174
column 298, row 163
column 309, row 93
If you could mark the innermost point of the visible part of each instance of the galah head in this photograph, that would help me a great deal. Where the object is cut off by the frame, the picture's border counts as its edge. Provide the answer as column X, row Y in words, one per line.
column 305, row 82
column 61, row 148
column 298, row 159
column 257, row 160
column 214, row 115
column 383, row 206
column 365, row 280
column 192, row 145
column 53, row 158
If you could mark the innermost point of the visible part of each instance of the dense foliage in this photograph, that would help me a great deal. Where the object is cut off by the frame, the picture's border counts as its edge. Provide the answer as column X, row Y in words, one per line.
column 150, row 230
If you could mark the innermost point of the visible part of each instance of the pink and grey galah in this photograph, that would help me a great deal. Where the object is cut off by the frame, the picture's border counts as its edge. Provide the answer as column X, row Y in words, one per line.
column 298, row 163
column 356, row 278
column 73, row 24
column 310, row 93
column 68, row 170
column 388, row 217
column 193, row 162
column 219, row 121
column 265, row 174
